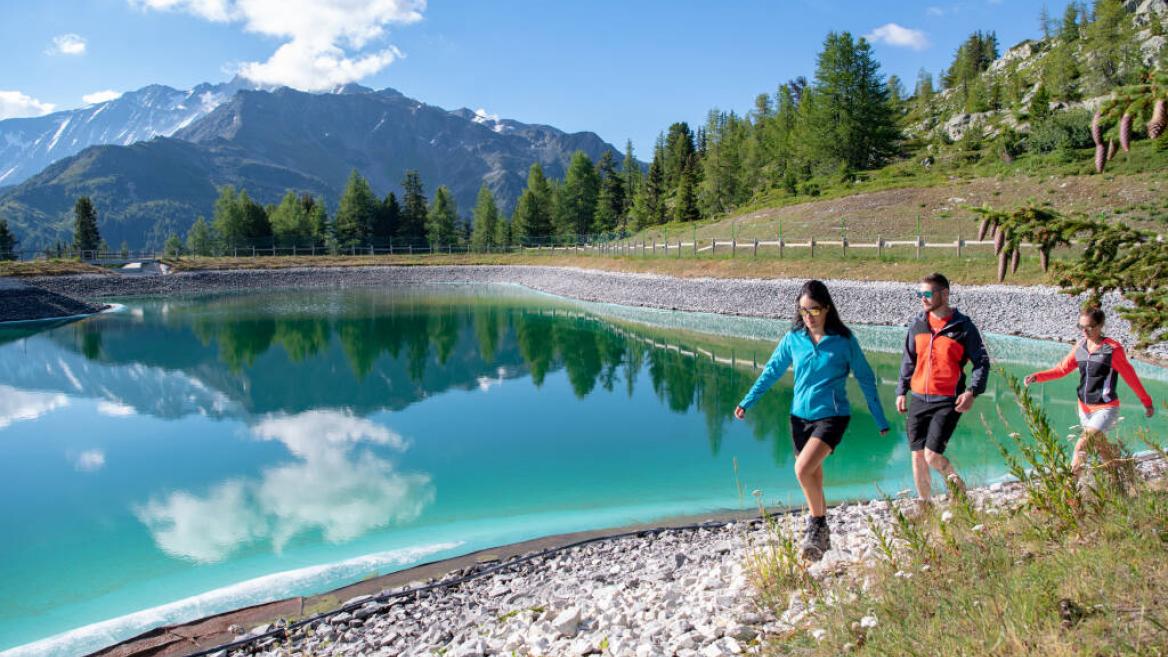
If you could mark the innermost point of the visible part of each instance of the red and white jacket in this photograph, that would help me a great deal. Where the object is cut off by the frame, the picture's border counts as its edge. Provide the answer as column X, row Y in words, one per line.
column 1097, row 374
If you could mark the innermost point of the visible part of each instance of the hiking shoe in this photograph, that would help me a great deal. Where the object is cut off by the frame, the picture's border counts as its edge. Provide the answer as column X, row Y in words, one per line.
column 816, row 540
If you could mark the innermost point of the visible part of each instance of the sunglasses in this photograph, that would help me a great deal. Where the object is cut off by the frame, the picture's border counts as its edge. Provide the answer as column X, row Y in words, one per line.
column 810, row 312
column 924, row 294
column 1088, row 327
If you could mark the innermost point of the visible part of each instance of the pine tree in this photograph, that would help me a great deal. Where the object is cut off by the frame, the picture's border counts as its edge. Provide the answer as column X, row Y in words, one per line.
column 200, row 241
column 85, row 234
column 650, row 206
column 576, row 198
column 1039, row 105
column 1045, row 22
column 1069, row 31
column 414, row 208
column 1110, row 46
column 485, row 229
column 687, row 200
column 532, row 221
column 610, row 201
column 386, row 221
column 290, row 224
column 631, row 170
column 973, row 57
column 228, row 218
column 503, row 232
column 256, row 225
column 356, row 213
column 679, row 150
column 441, row 219
column 8, row 242
column 173, row 246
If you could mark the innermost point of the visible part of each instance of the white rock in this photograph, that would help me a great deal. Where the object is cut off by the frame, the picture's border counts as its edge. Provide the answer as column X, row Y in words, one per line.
column 567, row 622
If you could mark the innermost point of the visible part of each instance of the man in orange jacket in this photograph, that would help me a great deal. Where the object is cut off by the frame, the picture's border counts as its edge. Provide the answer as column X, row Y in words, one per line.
column 940, row 341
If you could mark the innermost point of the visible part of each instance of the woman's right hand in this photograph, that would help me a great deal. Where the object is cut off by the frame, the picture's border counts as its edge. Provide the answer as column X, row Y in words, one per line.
column 739, row 412
column 1030, row 378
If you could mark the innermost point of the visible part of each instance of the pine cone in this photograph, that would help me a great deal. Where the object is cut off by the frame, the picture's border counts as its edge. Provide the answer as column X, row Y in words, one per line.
column 1100, row 157
column 1111, row 149
column 1156, row 125
column 982, row 229
column 1096, row 128
column 999, row 242
column 1001, row 266
column 1044, row 258
column 1125, row 126
column 1015, row 258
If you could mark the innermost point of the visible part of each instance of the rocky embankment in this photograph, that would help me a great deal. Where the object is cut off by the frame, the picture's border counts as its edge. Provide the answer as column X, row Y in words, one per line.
column 22, row 302
column 1035, row 311
column 686, row 592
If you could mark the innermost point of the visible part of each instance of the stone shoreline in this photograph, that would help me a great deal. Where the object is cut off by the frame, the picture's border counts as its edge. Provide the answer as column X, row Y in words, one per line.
column 20, row 302
column 1036, row 311
column 675, row 593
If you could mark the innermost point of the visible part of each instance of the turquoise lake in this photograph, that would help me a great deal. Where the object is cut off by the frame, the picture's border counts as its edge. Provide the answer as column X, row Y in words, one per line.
column 184, row 456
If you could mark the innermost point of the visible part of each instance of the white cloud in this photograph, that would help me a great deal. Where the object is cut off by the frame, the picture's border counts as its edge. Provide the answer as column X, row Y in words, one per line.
column 100, row 96
column 90, row 460
column 935, row 11
column 67, row 44
column 330, row 490
column 326, row 40
column 896, row 35
column 114, row 409
column 17, row 405
column 14, row 104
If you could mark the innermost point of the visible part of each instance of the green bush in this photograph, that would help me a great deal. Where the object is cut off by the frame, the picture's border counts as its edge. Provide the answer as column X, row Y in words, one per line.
column 1061, row 131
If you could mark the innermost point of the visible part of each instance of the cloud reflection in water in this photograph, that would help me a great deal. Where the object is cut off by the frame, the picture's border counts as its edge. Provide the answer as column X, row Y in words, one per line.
column 330, row 489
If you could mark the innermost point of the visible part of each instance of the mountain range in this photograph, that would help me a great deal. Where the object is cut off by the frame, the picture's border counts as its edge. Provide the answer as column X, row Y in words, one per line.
column 152, row 160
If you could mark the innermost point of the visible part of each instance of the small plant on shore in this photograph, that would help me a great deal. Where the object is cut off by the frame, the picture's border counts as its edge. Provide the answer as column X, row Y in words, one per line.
column 776, row 566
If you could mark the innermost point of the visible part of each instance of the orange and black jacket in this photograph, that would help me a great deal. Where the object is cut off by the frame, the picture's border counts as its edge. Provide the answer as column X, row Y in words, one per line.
column 933, row 367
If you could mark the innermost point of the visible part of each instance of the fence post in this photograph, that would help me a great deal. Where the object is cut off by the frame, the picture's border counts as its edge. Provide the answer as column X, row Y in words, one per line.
column 844, row 242
column 679, row 247
column 920, row 243
column 654, row 252
column 713, row 245
column 812, row 247
column 733, row 246
column 755, row 249
column 959, row 244
column 879, row 247
column 782, row 247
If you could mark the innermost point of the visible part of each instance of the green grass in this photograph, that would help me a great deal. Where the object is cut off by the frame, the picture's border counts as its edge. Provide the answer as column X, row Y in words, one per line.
column 1019, row 582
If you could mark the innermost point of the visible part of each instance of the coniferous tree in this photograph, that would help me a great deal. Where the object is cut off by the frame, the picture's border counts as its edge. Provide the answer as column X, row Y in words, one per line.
column 386, row 220
column 173, row 246
column 576, row 197
column 532, row 221
column 1069, row 30
column 356, row 213
column 1045, row 22
column 85, row 234
column 442, row 218
column 924, row 91
column 973, row 57
column 228, row 218
column 631, row 170
column 290, row 221
column 650, row 206
column 610, row 201
column 679, row 150
column 503, row 232
column 257, row 226
column 414, row 207
column 200, row 240
column 687, row 199
column 8, row 241
column 485, row 229
column 1110, row 46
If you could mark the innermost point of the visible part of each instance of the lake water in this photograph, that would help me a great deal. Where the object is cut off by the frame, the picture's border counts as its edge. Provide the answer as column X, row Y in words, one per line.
column 185, row 456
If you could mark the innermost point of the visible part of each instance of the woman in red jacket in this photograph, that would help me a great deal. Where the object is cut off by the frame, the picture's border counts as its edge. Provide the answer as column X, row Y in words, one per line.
column 1099, row 360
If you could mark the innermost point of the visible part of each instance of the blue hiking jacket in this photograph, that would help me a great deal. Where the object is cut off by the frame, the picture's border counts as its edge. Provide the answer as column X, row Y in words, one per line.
column 821, row 372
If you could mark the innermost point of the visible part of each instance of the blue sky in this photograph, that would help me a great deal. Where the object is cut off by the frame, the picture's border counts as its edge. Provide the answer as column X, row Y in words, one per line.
column 622, row 69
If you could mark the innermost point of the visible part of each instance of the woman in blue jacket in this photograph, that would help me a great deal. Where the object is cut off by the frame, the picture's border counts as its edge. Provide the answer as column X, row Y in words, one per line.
column 823, row 351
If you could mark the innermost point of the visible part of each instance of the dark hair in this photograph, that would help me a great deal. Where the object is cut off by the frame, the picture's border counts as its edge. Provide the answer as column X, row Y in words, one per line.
column 937, row 280
column 817, row 292
column 1095, row 313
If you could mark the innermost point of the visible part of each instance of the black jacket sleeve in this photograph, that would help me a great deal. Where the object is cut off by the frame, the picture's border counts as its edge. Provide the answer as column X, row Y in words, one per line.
column 908, row 362
column 977, row 353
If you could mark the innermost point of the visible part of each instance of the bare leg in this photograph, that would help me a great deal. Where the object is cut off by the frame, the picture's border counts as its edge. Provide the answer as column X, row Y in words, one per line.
column 921, row 475
column 941, row 464
column 809, row 472
column 1079, row 457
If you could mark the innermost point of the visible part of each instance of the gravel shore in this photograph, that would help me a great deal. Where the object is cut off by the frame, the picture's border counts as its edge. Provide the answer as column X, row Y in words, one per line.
column 1036, row 311
column 680, row 593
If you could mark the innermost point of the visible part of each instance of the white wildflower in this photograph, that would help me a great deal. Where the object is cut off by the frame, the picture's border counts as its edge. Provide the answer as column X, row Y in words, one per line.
column 977, row 529
column 946, row 516
column 868, row 622
column 818, row 634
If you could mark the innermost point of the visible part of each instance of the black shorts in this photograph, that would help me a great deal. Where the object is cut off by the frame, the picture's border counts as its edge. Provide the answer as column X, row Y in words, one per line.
column 931, row 424
column 829, row 429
